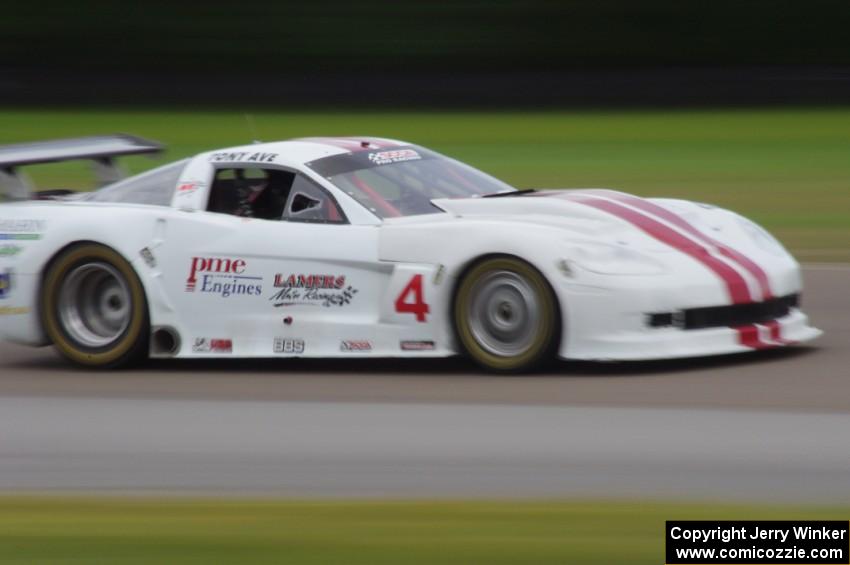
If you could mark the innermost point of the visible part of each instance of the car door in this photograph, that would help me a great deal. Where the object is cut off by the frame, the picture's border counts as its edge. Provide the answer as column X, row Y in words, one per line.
column 304, row 283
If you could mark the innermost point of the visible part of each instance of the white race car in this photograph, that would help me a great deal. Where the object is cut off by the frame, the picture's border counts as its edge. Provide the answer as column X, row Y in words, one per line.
column 368, row 247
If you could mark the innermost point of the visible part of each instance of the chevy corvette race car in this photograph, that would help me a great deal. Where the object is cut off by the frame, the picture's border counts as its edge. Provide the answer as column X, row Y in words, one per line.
column 369, row 247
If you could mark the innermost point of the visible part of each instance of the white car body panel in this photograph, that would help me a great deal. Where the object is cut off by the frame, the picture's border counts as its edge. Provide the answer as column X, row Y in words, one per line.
column 604, row 314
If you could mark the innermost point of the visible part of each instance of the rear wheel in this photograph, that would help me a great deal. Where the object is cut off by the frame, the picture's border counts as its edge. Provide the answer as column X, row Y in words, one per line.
column 93, row 307
column 506, row 315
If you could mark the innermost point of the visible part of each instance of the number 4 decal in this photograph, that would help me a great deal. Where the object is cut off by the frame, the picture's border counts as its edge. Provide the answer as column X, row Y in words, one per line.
column 405, row 305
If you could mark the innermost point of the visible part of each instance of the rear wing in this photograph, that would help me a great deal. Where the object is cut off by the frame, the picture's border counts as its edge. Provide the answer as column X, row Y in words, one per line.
column 101, row 150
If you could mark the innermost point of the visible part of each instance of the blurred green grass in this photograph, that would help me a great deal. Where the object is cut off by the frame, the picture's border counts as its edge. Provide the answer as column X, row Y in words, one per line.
column 144, row 530
column 788, row 169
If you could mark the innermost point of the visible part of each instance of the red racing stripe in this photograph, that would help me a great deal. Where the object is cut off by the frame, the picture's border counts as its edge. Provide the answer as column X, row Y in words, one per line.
column 353, row 144
column 754, row 269
column 339, row 142
column 748, row 336
column 736, row 286
column 776, row 332
column 377, row 143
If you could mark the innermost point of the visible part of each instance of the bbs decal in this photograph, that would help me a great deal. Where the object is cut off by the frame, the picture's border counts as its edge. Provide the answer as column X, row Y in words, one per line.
column 283, row 345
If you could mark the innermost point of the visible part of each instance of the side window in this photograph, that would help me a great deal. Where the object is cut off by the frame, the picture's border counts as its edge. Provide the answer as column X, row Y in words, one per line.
column 250, row 192
column 153, row 187
column 308, row 202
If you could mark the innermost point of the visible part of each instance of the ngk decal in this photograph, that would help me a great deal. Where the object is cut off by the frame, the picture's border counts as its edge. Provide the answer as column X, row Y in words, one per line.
column 222, row 276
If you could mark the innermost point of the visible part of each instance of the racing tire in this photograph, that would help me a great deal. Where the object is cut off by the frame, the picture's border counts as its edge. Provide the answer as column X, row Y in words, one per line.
column 93, row 308
column 506, row 315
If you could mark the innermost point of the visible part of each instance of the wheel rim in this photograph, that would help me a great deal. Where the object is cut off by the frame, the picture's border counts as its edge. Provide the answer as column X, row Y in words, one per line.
column 504, row 313
column 95, row 304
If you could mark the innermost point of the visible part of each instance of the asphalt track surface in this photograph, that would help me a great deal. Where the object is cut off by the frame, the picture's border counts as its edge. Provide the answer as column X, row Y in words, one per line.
column 766, row 426
column 423, row 450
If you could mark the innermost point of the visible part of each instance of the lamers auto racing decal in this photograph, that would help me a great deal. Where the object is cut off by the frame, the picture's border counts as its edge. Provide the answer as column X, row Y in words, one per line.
column 312, row 290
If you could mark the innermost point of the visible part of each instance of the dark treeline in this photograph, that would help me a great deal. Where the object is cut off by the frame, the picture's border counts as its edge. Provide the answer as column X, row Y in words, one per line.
column 57, row 45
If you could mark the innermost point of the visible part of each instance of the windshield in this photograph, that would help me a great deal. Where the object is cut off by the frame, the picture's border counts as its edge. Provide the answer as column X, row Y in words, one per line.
column 402, row 181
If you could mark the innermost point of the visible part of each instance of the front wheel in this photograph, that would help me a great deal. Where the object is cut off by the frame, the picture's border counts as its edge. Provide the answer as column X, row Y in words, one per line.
column 506, row 315
column 93, row 307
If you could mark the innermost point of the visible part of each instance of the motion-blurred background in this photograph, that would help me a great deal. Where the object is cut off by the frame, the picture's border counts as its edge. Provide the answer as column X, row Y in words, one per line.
column 744, row 104
column 741, row 104
column 468, row 54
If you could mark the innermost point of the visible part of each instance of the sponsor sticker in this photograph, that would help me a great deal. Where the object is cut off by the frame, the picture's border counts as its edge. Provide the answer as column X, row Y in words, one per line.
column 312, row 290
column 10, row 250
column 20, row 236
column 222, row 276
column 207, row 345
column 394, row 156
column 287, row 345
column 256, row 157
column 310, row 281
column 6, row 284
column 357, row 345
column 13, row 310
column 422, row 345
column 147, row 257
column 189, row 187
column 21, row 230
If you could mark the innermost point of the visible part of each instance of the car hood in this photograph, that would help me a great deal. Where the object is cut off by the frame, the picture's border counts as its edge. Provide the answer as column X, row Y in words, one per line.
column 584, row 219
column 566, row 211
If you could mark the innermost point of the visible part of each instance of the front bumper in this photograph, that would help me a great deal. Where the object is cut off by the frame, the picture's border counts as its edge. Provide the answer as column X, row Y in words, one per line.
column 672, row 343
column 609, row 318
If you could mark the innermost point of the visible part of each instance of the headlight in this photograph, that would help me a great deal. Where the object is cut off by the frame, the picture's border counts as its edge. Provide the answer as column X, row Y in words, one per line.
column 761, row 237
column 607, row 259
